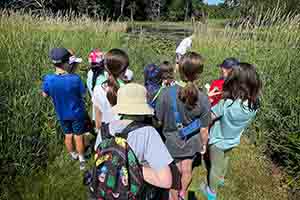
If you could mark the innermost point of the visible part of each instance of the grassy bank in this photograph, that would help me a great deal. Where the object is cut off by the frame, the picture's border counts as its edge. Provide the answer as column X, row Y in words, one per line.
column 33, row 160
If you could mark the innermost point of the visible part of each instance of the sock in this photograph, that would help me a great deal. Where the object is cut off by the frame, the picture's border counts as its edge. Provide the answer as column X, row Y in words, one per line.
column 81, row 158
column 74, row 155
column 210, row 192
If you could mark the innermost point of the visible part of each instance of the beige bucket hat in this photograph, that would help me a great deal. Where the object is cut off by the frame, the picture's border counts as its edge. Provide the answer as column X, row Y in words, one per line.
column 132, row 100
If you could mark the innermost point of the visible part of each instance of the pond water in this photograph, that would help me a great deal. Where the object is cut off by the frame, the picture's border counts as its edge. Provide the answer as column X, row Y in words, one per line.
column 167, row 31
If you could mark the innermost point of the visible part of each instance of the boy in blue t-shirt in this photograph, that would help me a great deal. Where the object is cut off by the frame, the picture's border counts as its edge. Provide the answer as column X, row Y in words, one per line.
column 67, row 92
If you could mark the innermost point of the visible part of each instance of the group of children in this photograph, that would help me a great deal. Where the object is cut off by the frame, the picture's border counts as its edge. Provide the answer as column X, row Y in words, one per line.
column 223, row 113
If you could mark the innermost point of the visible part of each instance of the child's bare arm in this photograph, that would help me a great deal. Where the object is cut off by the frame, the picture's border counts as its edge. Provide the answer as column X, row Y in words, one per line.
column 204, row 139
column 44, row 94
column 98, row 117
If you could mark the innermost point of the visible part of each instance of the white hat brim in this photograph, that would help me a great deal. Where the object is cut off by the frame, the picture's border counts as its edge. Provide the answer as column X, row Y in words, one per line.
column 133, row 109
column 74, row 59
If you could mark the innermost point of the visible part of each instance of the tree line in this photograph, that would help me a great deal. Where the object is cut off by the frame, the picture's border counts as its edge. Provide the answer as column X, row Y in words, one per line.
column 111, row 9
column 170, row 10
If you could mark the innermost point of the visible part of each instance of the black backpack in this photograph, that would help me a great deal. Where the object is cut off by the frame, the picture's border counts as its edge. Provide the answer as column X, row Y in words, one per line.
column 116, row 173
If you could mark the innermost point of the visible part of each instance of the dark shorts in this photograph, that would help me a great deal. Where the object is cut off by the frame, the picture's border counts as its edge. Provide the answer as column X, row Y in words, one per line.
column 177, row 160
column 76, row 127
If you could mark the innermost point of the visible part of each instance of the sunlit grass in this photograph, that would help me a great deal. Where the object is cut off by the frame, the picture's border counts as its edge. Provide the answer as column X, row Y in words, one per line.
column 28, row 121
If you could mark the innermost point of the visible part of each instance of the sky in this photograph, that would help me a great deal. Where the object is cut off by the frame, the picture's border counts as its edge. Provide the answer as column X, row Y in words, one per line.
column 211, row 2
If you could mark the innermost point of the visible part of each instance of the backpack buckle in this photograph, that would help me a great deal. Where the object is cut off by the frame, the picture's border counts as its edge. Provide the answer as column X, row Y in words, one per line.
column 179, row 126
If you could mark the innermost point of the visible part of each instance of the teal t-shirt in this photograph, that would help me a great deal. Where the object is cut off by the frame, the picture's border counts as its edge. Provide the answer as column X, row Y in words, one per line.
column 99, row 81
column 234, row 117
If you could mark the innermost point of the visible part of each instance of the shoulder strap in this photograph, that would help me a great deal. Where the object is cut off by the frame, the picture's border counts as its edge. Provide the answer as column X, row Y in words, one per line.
column 131, row 127
column 157, row 94
column 105, row 133
column 173, row 94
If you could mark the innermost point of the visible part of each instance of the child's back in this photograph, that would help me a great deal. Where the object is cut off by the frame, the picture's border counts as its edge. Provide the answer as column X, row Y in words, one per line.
column 66, row 91
column 234, row 117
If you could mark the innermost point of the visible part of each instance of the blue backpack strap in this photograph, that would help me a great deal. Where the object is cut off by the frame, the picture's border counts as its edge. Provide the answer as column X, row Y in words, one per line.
column 173, row 94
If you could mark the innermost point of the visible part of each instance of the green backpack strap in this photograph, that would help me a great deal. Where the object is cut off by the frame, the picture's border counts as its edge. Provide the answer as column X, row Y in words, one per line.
column 157, row 94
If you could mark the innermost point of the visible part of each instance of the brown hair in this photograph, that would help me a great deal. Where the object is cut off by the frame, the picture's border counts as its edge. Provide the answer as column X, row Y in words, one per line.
column 167, row 71
column 116, row 62
column 243, row 83
column 190, row 67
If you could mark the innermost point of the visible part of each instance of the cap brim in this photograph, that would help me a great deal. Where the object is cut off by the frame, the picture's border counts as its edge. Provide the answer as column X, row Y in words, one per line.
column 56, row 61
column 226, row 67
column 133, row 109
column 74, row 59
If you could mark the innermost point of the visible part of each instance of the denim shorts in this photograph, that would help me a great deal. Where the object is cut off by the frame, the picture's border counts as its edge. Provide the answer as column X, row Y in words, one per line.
column 76, row 127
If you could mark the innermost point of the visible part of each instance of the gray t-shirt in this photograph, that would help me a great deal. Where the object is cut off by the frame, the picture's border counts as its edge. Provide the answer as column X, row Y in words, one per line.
column 179, row 148
column 165, row 114
column 146, row 144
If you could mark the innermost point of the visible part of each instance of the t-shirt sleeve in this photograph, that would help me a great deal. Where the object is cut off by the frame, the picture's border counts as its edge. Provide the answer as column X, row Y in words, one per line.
column 45, row 85
column 98, row 98
column 156, row 152
column 218, row 109
column 205, row 111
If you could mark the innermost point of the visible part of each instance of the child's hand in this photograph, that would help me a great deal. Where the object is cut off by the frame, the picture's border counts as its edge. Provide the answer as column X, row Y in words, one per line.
column 97, row 124
column 203, row 149
column 213, row 93
column 207, row 86
column 44, row 94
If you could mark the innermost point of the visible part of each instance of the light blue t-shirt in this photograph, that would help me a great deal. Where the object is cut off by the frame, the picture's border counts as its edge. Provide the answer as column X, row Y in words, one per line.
column 99, row 81
column 234, row 117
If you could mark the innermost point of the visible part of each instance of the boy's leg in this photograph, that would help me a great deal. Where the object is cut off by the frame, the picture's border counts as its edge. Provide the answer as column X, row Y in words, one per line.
column 66, row 126
column 79, row 144
column 69, row 142
column 79, row 129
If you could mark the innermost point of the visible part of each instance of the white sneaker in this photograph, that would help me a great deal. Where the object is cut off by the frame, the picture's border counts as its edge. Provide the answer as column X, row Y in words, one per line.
column 74, row 156
column 82, row 165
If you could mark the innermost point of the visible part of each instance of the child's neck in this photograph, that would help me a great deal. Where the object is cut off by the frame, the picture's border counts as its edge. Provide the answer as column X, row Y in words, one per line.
column 60, row 71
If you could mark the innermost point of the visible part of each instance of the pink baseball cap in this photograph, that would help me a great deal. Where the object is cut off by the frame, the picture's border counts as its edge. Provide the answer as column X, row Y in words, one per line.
column 96, row 56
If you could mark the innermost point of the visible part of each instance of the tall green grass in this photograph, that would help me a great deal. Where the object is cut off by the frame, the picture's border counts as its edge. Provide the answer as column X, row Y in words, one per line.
column 29, row 135
column 272, row 43
column 31, row 151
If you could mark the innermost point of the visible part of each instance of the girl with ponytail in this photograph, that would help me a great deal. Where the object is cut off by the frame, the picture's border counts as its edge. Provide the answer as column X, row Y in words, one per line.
column 191, row 104
column 104, row 96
